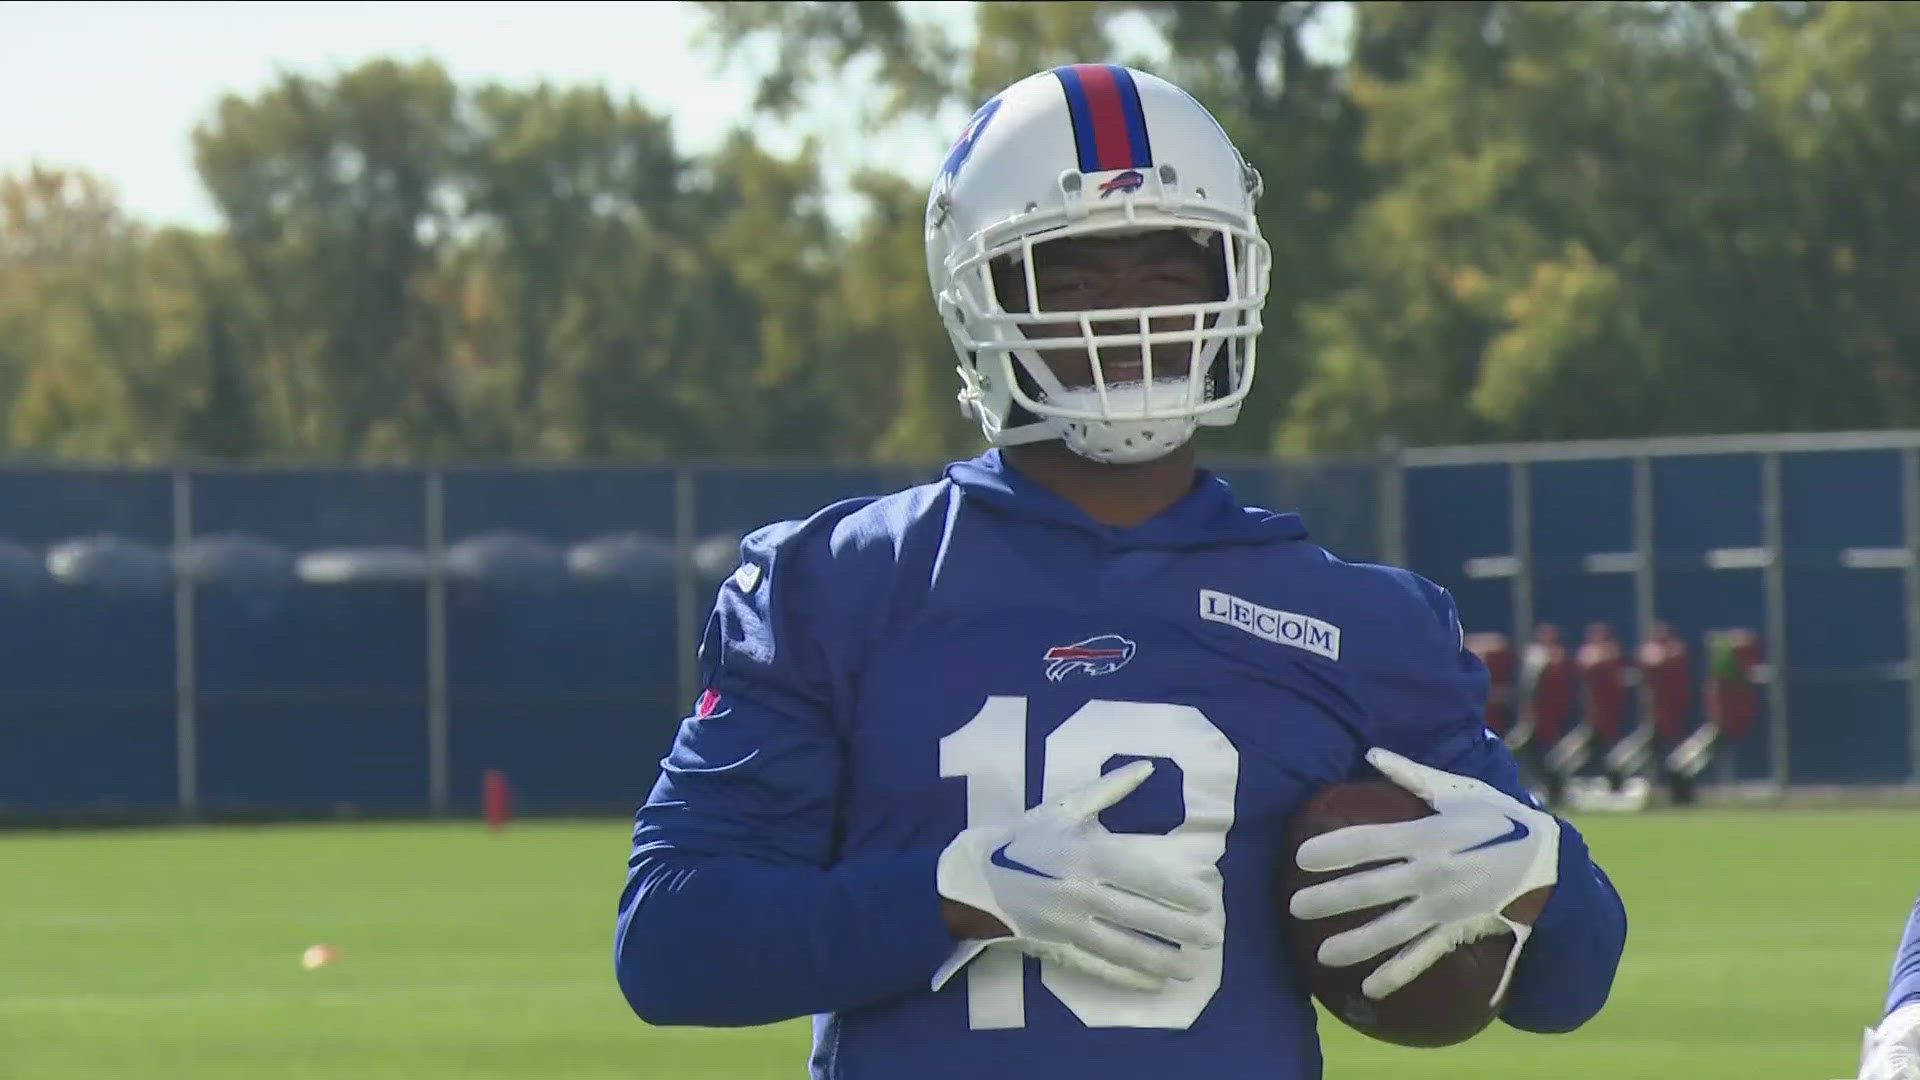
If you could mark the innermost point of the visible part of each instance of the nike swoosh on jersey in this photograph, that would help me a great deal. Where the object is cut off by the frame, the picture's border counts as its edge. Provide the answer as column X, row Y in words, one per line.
column 1002, row 859
column 1518, row 832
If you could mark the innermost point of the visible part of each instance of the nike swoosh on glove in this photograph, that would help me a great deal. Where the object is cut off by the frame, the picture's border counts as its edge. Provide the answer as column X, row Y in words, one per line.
column 1073, row 893
column 1456, row 871
column 1892, row 1050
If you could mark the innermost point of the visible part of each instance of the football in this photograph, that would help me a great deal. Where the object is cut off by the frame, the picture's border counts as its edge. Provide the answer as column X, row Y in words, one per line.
column 1451, row 1001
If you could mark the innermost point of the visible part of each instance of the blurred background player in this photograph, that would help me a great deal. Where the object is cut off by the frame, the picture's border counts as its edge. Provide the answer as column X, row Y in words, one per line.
column 1603, row 690
column 1545, row 696
column 992, row 774
column 1662, row 669
column 1548, row 740
column 1735, row 675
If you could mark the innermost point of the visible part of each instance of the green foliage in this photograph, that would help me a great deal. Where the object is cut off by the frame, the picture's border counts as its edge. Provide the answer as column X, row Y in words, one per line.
column 808, row 42
column 1491, row 220
column 1613, row 219
column 115, row 341
column 333, row 197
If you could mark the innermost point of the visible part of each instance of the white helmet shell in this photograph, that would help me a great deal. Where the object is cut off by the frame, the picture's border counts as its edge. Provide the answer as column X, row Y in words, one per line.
column 1085, row 150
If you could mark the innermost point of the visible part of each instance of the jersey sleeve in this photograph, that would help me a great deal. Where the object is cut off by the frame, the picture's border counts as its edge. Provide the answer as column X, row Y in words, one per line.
column 1434, row 711
column 1903, row 986
column 735, row 909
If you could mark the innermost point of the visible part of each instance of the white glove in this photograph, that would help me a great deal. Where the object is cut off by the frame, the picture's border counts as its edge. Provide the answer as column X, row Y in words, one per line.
column 1892, row 1051
column 1459, row 868
column 1074, row 895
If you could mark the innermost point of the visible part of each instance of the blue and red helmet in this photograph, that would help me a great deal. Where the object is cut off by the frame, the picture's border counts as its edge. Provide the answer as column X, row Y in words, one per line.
column 1085, row 150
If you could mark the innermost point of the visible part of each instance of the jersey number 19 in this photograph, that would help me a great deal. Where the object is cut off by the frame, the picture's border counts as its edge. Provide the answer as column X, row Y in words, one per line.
column 990, row 752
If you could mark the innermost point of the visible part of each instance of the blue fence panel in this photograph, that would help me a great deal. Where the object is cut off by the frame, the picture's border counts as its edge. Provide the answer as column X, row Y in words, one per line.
column 313, row 694
column 1339, row 501
column 730, row 500
column 565, row 593
column 1706, row 502
column 1579, row 510
column 1836, row 499
column 87, row 699
column 87, row 664
column 46, row 507
column 1846, row 616
column 1844, row 732
column 1456, row 514
column 1708, row 542
column 569, row 686
column 305, row 752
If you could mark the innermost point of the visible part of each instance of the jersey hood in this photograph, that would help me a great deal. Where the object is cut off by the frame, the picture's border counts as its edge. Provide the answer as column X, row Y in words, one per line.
column 1209, row 515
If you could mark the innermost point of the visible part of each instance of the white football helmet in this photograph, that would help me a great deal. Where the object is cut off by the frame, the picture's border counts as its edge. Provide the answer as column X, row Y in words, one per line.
column 1080, row 151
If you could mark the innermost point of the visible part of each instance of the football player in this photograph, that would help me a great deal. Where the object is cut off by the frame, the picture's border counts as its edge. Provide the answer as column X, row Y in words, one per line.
column 991, row 776
column 1891, row 1051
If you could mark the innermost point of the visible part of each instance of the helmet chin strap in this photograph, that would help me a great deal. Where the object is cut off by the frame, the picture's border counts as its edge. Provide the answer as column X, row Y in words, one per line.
column 1128, row 442
column 1108, row 442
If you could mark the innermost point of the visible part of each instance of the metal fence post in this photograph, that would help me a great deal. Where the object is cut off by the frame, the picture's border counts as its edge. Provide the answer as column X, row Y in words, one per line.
column 438, row 705
column 186, row 716
column 1391, row 526
column 1910, row 523
column 686, row 612
column 1520, row 507
column 1775, row 579
column 1645, row 597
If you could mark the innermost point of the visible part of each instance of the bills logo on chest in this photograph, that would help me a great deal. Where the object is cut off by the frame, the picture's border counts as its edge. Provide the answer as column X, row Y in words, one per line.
column 1101, row 655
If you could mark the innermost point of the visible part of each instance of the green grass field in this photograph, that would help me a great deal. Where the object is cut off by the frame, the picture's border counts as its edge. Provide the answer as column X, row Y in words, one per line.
column 1759, row 947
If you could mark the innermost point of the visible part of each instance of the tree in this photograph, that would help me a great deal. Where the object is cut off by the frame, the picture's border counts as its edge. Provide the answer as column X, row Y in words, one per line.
column 548, row 171
column 1581, row 229
column 51, row 218
column 91, row 325
column 1490, row 220
column 1838, row 88
column 335, row 196
column 897, row 383
column 1249, row 61
column 1498, row 220
column 811, row 41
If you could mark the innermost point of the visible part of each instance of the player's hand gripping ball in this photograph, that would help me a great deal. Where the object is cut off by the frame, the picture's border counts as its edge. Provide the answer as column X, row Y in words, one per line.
column 1445, row 981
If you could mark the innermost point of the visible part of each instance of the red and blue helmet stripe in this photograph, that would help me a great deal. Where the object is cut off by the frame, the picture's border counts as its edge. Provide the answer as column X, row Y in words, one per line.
column 1109, row 127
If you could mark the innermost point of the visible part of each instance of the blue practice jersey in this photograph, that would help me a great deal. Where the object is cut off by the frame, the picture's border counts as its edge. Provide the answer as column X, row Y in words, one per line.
column 896, row 669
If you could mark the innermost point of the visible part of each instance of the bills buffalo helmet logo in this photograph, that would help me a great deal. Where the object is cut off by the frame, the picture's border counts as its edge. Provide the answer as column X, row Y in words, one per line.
column 962, row 148
column 1125, row 182
column 1101, row 655
column 957, row 156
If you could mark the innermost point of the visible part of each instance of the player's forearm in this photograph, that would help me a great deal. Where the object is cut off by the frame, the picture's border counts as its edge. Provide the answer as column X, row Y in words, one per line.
column 1567, row 970
column 723, row 941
